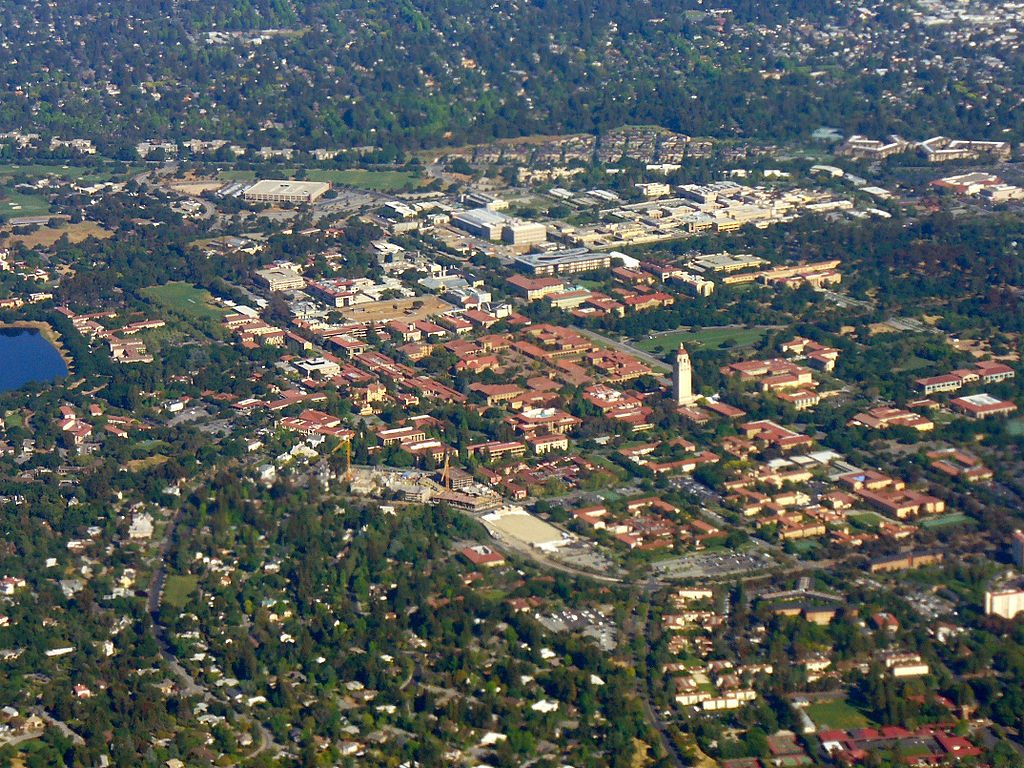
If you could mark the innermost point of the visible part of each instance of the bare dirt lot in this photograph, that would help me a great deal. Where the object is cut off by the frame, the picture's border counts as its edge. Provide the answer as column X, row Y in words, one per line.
column 196, row 188
column 409, row 310
column 47, row 236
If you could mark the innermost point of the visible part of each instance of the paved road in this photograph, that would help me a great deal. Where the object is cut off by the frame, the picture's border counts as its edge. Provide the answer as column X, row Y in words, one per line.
column 60, row 725
column 16, row 740
column 187, row 684
column 644, row 692
column 651, row 360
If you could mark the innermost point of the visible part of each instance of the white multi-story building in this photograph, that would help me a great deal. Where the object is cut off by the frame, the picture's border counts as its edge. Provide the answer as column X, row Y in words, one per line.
column 524, row 233
column 1006, row 603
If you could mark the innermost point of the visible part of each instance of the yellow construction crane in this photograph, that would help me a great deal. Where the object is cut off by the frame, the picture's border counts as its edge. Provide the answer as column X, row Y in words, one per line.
column 446, row 479
column 346, row 443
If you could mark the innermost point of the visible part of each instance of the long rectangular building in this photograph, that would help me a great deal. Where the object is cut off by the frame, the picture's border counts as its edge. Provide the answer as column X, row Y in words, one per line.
column 285, row 191
column 565, row 262
column 481, row 223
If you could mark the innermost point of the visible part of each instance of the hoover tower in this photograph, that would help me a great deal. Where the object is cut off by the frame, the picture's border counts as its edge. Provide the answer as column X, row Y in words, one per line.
column 682, row 378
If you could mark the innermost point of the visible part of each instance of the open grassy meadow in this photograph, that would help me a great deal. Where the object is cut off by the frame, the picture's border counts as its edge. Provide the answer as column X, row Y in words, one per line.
column 704, row 338
column 186, row 300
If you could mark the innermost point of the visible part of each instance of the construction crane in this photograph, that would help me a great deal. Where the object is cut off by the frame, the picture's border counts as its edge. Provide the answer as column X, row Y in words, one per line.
column 346, row 443
column 446, row 479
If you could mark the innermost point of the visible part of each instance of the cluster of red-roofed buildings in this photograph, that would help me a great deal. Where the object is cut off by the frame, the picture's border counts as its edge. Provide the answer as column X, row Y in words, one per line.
column 122, row 349
column 933, row 744
column 648, row 523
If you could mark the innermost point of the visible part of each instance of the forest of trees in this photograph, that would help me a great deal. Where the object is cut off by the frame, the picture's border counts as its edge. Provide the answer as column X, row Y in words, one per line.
column 395, row 75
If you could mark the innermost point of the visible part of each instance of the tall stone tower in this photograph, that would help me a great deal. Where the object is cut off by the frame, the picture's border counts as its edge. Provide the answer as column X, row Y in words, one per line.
column 682, row 378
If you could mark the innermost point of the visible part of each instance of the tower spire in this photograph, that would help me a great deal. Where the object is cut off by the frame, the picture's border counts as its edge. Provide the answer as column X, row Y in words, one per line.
column 682, row 378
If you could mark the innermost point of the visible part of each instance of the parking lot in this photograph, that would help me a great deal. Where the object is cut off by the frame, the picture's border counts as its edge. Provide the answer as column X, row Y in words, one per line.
column 586, row 556
column 586, row 622
column 710, row 564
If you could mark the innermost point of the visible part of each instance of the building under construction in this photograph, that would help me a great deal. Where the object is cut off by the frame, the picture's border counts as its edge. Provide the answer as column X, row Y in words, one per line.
column 456, row 487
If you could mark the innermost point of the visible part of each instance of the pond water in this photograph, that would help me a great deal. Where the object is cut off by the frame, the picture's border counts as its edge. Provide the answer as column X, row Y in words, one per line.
column 25, row 356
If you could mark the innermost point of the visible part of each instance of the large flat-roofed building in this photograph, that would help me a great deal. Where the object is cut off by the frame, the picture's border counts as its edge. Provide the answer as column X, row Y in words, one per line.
column 726, row 262
column 1006, row 603
column 281, row 278
column 968, row 183
column 940, row 149
column 397, row 210
column 481, row 222
column 1000, row 193
column 285, row 191
column 317, row 368
column 338, row 292
column 565, row 262
column 524, row 233
column 516, row 523
column 483, row 200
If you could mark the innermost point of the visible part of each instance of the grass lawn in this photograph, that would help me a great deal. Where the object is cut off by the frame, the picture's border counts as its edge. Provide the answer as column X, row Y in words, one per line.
column 383, row 181
column 237, row 175
column 1015, row 427
column 178, row 588
column 954, row 518
column 912, row 363
column 141, row 465
column 868, row 520
column 73, row 172
column 185, row 299
column 150, row 445
column 607, row 464
column 40, row 170
column 915, row 750
column 15, row 205
column 836, row 714
column 493, row 595
column 803, row 546
column 14, row 419
column 707, row 338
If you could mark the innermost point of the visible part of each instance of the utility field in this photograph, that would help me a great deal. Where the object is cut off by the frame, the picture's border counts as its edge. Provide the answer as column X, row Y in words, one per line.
column 836, row 715
column 382, row 181
column 186, row 300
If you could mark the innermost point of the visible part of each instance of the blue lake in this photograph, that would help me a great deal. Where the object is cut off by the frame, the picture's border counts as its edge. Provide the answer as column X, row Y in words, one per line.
column 26, row 356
